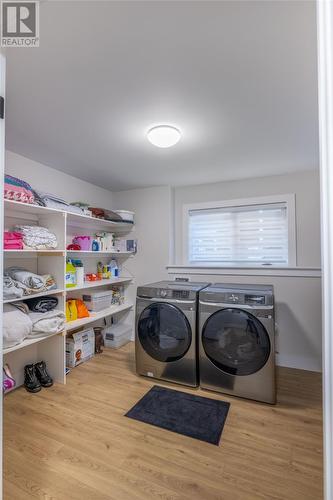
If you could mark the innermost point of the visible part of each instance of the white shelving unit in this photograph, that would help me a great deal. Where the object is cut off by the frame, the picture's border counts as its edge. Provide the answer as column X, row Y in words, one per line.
column 65, row 225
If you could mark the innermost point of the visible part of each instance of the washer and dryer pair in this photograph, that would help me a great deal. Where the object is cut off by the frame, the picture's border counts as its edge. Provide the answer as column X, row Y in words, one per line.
column 219, row 336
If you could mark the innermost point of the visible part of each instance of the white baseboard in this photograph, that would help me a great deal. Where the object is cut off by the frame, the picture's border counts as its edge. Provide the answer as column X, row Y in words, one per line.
column 299, row 362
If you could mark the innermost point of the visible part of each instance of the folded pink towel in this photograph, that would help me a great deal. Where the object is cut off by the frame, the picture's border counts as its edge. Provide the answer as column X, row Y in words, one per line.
column 18, row 193
column 13, row 241
column 12, row 245
column 11, row 235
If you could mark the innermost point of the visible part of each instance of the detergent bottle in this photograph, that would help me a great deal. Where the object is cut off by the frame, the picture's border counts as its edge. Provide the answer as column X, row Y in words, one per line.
column 70, row 277
column 114, row 268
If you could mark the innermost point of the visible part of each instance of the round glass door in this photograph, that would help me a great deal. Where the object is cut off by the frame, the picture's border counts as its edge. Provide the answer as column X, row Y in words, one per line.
column 236, row 341
column 164, row 332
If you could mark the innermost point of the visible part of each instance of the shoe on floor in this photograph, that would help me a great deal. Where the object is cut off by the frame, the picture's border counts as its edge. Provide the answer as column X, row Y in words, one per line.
column 31, row 382
column 8, row 382
column 42, row 375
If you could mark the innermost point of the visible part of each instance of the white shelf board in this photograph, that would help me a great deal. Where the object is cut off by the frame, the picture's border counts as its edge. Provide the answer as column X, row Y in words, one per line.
column 29, row 252
column 27, row 209
column 55, row 291
column 28, row 342
column 104, row 282
column 109, row 311
column 93, row 253
column 85, row 221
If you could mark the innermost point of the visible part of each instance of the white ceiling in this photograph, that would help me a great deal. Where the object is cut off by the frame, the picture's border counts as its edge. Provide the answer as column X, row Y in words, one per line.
column 238, row 78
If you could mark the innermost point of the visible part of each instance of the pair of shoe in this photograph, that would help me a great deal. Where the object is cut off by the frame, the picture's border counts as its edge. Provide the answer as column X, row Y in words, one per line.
column 36, row 377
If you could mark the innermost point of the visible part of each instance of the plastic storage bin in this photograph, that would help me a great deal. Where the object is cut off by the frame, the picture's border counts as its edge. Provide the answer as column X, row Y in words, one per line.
column 117, row 335
column 126, row 215
column 96, row 301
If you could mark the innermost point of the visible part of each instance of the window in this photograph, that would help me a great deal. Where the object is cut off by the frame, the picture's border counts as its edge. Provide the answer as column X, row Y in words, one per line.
column 242, row 233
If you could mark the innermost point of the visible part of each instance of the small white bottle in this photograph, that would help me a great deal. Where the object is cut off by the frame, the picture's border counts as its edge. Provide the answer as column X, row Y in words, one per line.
column 79, row 275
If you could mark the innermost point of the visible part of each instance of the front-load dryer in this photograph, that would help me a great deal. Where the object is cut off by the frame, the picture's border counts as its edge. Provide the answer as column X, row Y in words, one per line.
column 236, row 340
column 165, row 332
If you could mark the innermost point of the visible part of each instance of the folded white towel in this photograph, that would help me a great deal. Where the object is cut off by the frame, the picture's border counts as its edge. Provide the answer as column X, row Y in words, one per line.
column 46, row 323
column 37, row 237
column 17, row 325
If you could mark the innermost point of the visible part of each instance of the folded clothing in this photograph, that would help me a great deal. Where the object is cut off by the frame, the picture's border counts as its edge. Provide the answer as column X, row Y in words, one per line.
column 37, row 237
column 53, row 201
column 17, row 325
column 10, row 290
column 99, row 213
column 12, row 240
column 27, row 281
column 46, row 323
column 25, row 277
column 42, row 304
column 18, row 190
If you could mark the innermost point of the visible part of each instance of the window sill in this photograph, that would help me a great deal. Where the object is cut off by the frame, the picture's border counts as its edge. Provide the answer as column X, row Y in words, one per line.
column 296, row 272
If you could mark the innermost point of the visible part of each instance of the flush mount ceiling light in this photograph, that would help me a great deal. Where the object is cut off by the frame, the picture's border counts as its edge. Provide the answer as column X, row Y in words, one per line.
column 163, row 136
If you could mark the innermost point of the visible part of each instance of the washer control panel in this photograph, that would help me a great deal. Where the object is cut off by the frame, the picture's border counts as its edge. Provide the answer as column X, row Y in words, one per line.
column 172, row 294
column 235, row 298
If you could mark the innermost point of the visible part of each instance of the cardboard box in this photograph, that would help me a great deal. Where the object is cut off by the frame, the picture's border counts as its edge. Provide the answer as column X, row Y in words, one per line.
column 80, row 347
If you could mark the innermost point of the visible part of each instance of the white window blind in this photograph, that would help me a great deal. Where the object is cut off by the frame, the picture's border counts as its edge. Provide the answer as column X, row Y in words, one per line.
column 246, row 235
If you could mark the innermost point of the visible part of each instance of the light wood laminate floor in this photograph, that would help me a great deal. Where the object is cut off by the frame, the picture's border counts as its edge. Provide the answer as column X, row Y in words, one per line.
column 73, row 442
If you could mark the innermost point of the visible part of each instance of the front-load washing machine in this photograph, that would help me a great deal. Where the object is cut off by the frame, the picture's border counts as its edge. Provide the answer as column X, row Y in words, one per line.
column 165, row 333
column 236, row 340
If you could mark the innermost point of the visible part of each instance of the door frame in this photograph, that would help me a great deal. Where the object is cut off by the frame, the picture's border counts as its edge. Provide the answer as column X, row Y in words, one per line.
column 325, row 96
column 2, row 172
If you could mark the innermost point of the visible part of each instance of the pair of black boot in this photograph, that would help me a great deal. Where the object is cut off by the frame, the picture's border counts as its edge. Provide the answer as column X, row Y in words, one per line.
column 36, row 377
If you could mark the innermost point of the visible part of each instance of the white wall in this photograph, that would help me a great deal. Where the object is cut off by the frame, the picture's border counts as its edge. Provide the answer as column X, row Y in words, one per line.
column 53, row 181
column 152, row 229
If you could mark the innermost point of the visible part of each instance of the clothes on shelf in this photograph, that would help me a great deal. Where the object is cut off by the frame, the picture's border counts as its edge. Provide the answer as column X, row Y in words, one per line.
column 42, row 304
column 46, row 323
column 99, row 213
column 16, row 325
column 53, row 201
column 10, row 290
column 110, row 215
column 12, row 240
column 37, row 237
column 19, row 281
column 18, row 190
column 83, row 206
column 20, row 323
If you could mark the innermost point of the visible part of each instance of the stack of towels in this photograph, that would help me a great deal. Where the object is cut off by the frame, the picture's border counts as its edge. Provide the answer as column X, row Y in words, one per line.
column 12, row 240
column 53, row 201
column 18, row 190
column 35, row 319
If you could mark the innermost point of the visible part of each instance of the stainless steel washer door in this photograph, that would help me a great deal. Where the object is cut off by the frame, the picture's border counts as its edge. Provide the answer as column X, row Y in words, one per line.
column 164, row 332
column 236, row 342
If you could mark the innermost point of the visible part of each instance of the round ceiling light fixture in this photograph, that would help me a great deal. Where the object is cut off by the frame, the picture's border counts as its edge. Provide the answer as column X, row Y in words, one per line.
column 163, row 136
